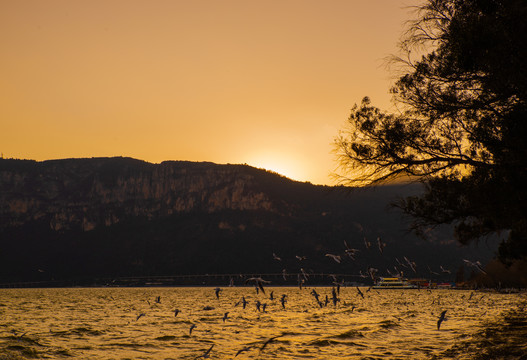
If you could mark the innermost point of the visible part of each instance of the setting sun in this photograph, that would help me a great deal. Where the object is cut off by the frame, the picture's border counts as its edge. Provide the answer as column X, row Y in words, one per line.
column 282, row 164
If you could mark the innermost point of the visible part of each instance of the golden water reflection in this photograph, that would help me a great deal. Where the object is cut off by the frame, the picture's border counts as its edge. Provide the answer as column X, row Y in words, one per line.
column 140, row 323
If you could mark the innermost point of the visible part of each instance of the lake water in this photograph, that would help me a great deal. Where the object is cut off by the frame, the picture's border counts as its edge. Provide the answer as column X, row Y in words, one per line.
column 105, row 323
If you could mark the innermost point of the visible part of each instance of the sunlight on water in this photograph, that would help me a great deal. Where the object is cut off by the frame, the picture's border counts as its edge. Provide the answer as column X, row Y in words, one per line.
column 106, row 323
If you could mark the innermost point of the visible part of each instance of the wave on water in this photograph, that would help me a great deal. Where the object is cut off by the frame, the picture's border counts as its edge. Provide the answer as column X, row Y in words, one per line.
column 388, row 324
column 80, row 331
column 331, row 342
column 166, row 338
column 350, row 334
column 501, row 339
column 384, row 325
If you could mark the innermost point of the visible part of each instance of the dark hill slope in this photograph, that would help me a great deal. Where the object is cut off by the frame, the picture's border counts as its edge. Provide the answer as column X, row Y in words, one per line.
column 112, row 217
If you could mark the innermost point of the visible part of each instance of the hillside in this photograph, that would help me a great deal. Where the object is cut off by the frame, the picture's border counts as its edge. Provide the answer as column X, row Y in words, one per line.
column 82, row 219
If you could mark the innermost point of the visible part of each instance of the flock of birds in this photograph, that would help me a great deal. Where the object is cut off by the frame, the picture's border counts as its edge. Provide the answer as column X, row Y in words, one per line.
column 371, row 272
column 260, row 287
column 302, row 276
column 258, row 282
column 261, row 307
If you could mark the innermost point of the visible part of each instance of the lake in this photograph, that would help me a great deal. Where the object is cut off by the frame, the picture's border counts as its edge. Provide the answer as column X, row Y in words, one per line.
column 140, row 323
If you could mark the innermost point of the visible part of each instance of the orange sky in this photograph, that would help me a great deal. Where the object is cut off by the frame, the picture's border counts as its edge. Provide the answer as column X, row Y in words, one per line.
column 268, row 83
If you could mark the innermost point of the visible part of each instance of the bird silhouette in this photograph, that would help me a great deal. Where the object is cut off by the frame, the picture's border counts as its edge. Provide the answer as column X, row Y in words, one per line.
column 217, row 292
column 247, row 348
column 334, row 257
column 206, row 354
column 360, row 292
column 441, row 319
column 268, row 341
column 475, row 264
column 284, row 274
column 444, row 270
column 258, row 283
column 381, row 245
column 283, row 300
column 349, row 251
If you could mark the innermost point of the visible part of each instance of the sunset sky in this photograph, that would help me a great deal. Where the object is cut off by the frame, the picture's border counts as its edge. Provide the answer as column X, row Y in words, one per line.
column 268, row 83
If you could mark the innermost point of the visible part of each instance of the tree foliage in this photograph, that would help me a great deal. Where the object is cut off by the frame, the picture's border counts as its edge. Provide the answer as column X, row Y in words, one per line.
column 461, row 124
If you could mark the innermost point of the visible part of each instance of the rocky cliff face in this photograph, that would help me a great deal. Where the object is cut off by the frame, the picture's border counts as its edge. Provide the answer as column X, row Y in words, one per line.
column 87, row 193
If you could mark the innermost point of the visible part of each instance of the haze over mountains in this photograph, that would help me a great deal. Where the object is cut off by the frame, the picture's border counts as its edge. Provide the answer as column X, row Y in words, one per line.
column 97, row 218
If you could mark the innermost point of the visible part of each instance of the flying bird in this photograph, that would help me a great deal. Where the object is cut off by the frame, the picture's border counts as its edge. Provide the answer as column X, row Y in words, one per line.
column 300, row 258
column 18, row 337
column 441, row 319
column 258, row 282
column 140, row 316
column 362, row 275
column 432, row 272
column 217, row 291
column 396, row 274
column 381, row 245
column 283, row 300
column 444, row 270
column 176, row 312
column 315, row 294
column 349, row 251
column 191, row 328
column 242, row 301
column 360, row 292
column 225, row 316
column 372, row 272
column 400, row 263
column 269, row 341
column 334, row 257
column 334, row 296
column 247, row 348
column 304, row 274
column 411, row 264
column 276, row 257
column 300, row 281
column 338, row 285
column 476, row 264
column 206, row 354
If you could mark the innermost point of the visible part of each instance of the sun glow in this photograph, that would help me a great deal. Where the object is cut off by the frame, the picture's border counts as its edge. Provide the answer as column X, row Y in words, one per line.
column 281, row 164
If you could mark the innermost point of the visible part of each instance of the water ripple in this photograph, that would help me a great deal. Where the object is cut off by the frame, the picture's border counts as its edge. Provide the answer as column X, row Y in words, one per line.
column 105, row 324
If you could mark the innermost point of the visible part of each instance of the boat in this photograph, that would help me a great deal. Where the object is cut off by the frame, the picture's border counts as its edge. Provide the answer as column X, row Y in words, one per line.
column 393, row 283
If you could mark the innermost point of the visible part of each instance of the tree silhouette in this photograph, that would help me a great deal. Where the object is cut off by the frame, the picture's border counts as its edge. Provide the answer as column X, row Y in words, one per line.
column 461, row 122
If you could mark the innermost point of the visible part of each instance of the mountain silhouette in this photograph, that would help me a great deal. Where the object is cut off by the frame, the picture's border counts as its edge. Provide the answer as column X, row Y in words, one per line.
column 83, row 220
